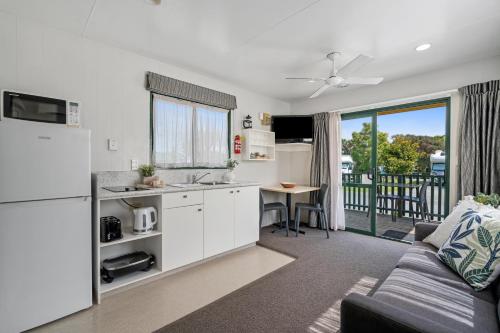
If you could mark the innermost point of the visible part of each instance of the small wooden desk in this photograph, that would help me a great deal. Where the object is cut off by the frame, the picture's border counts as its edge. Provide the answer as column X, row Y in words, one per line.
column 289, row 191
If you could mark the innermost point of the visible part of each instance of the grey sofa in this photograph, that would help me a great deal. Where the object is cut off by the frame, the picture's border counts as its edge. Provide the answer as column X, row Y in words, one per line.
column 423, row 295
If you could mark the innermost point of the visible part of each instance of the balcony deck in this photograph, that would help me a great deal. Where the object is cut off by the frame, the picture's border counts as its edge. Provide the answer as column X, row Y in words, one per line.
column 401, row 229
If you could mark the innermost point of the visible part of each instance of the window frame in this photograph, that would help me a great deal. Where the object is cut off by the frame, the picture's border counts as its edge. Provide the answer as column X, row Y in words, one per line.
column 151, row 136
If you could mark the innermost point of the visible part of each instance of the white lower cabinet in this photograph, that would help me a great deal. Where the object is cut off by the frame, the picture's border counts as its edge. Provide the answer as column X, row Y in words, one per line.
column 227, row 219
column 246, row 215
column 218, row 221
column 182, row 236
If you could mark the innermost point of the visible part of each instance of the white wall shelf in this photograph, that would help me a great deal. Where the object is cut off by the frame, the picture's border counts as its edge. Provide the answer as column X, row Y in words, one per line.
column 259, row 145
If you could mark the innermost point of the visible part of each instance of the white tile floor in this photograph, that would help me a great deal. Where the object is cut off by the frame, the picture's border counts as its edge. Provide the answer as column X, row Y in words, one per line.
column 156, row 304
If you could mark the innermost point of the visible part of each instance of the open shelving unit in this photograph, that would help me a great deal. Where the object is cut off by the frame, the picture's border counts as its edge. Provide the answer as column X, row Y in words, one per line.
column 150, row 243
column 259, row 145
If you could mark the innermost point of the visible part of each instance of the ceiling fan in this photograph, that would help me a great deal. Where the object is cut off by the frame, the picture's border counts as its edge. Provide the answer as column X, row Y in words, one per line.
column 340, row 78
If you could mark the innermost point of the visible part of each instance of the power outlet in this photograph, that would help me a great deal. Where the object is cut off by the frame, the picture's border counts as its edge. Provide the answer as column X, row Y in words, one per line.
column 134, row 164
column 112, row 145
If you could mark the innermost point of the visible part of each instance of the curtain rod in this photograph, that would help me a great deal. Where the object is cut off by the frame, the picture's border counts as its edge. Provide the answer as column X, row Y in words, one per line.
column 393, row 102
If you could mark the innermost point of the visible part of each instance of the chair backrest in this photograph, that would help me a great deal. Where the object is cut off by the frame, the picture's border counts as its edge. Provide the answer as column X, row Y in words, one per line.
column 323, row 192
column 422, row 195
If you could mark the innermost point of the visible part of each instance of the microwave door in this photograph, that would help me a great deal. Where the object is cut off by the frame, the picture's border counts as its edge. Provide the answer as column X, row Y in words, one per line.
column 34, row 108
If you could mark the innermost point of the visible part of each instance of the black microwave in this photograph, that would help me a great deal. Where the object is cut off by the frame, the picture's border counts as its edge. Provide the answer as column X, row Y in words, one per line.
column 23, row 106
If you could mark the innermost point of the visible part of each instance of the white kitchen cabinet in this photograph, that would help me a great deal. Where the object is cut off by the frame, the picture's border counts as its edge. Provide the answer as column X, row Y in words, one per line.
column 182, row 236
column 218, row 221
column 246, row 215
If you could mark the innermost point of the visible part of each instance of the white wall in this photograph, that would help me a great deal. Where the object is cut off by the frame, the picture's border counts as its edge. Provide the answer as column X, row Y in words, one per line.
column 110, row 84
column 423, row 84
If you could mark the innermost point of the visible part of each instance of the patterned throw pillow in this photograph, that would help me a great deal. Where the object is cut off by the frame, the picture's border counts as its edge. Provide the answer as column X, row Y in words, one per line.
column 473, row 247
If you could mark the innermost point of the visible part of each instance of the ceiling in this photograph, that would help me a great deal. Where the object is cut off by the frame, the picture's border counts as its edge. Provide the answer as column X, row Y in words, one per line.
column 256, row 44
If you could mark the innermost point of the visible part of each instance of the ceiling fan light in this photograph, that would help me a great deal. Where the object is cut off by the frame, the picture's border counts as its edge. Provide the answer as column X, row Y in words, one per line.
column 423, row 47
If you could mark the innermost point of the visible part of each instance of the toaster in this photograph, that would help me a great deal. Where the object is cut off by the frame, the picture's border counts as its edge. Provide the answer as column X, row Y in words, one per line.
column 111, row 229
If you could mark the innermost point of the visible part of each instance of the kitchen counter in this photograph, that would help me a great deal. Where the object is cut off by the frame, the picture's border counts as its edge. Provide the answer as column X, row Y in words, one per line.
column 103, row 194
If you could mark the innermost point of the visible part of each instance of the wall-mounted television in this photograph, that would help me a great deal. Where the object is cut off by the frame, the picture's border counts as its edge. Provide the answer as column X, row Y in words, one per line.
column 292, row 128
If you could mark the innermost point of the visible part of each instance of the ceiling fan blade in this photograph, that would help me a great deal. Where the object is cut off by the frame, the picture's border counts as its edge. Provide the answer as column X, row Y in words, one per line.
column 310, row 79
column 363, row 80
column 354, row 65
column 320, row 90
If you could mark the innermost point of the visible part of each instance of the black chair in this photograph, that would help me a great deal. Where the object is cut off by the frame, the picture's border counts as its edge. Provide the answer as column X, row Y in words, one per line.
column 421, row 203
column 279, row 207
column 383, row 198
column 319, row 208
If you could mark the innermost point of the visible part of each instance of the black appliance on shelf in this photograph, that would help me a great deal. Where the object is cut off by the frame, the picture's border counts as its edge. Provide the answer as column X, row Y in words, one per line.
column 125, row 264
column 111, row 229
column 288, row 129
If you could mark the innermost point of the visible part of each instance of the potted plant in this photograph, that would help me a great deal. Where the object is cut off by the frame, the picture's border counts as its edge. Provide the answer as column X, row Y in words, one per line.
column 230, row 165
column 148, row 173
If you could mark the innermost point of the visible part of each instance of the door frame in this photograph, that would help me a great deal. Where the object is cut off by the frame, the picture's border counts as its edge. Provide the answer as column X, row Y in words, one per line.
column 373, row 113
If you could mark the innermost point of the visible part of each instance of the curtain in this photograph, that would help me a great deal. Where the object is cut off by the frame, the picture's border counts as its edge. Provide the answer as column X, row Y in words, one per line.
column 168, row 86
column 211, row 137
column 337, row 217
column 480, row 139
column 320, row 161
column 172, row 133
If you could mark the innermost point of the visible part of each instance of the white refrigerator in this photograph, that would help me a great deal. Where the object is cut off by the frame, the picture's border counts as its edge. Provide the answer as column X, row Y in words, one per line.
column 45, row 223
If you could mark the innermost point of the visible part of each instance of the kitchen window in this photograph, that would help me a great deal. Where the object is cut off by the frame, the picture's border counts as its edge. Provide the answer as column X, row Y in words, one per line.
column 189, row 135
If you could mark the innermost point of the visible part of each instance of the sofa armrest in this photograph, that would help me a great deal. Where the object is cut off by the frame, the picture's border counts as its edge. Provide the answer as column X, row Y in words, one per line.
column 424, row 229
column 359, row 313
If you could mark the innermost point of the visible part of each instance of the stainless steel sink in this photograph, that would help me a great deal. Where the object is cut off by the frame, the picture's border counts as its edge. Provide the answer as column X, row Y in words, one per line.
column 213, row 183
column 185, row 185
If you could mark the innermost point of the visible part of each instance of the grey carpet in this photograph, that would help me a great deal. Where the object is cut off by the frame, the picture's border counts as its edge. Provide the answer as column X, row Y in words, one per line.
column 298, row 296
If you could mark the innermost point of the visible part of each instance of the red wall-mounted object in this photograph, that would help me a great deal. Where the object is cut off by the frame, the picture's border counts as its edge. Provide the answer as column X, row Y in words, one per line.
column 237, row 144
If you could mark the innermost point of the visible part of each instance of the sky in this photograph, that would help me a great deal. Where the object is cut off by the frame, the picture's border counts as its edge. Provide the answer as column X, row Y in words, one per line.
column 423, row 122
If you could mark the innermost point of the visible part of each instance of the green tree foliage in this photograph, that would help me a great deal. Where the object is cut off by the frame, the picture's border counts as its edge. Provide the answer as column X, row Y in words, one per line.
column 427, row 145
column 400, row 156
column 360, row 147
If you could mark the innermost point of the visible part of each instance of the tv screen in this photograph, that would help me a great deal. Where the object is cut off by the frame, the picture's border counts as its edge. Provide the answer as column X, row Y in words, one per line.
column 292, row 128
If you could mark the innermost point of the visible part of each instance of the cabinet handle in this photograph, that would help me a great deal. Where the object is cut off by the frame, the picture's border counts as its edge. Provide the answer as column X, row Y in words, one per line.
column 231, row 192
column 199, row 209
column 185, row 196
column 238, row 191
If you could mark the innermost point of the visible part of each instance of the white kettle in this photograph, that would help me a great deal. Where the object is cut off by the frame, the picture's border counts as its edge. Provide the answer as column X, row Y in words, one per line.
column 145, row 219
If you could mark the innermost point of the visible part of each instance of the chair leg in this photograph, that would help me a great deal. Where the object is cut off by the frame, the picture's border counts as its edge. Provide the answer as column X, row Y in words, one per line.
column 412, row 212
column 286, row 221
column 323, row 219
column 297, row 220
column 422, row 213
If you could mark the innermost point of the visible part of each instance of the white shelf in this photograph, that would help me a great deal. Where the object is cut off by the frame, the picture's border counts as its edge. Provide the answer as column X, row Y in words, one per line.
column 129, row 236
column 258, row 142
column 128, row 279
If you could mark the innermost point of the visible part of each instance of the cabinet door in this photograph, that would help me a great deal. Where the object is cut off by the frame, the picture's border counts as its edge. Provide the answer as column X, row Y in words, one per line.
column 246, row 215
column 182, row 236
column 218, row 221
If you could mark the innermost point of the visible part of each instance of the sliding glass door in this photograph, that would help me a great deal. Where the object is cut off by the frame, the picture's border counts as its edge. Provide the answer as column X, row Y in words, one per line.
column 358, row 163
column 395, row 168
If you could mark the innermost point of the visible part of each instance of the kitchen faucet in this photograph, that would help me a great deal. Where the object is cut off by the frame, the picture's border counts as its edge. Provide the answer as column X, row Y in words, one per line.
column 195, row 179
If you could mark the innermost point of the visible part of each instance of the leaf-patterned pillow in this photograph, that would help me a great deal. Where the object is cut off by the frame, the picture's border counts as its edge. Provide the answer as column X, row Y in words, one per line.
column 473, row 248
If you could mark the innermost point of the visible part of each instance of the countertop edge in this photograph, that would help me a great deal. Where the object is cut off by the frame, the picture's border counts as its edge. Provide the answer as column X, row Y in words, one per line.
column 103, row 194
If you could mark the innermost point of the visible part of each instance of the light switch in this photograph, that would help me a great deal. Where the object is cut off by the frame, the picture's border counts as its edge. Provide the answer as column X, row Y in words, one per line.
column 112, row 145
column 134, row 164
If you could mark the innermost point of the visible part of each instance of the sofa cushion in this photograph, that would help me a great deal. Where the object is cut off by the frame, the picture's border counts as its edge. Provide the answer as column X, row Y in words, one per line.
column 437, row 301
column 421, row 257
column 442, row 232
column 473, row 246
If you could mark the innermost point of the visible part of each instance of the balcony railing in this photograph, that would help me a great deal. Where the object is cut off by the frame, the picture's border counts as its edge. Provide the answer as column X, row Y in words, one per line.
column 357, row 193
